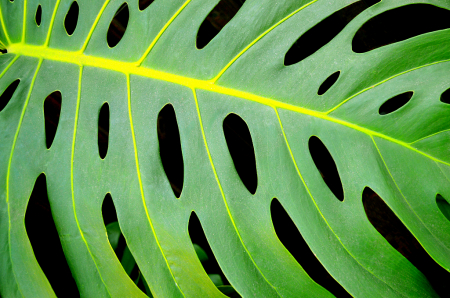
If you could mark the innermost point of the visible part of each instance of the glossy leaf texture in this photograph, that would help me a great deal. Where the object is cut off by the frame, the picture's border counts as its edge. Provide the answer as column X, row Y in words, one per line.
column 403, row 155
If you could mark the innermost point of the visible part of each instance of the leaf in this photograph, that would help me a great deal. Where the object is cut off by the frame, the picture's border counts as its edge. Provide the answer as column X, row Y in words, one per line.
column 403, row 156
column 114, row 233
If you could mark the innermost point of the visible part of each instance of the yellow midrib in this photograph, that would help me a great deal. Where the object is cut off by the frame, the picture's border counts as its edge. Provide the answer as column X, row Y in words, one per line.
column 134, row 68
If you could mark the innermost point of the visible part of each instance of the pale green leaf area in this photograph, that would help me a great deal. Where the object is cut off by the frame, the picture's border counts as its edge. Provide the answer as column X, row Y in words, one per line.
column 403, row 156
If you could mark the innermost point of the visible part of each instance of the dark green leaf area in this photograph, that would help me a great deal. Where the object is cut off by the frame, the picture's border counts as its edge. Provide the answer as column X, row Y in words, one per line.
column 328, row 83
column 322, row 33
column 170, row 148
column 198, row 238
column 219, row 16
column 103, row 130
column 240, row 145
column 445, row 96
column 292, row 239
column 443, row 205
column 326, row 166
column 118, row 25
column 399, row 237
column 71, row 19
column 52, row 111
column 400, row 24
column 44, row 239
column 8, row 93
column 38, row 16
column 143, row 4
column 395, row 103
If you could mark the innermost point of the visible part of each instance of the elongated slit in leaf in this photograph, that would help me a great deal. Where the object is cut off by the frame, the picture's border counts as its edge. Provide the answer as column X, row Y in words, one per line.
column 8, row 93
column 103, row 130
column 45, row 241
column 170, row 148
column 52, row 111
column 328, row 83
column 326, row 166
column 204, row 252
column 71, row 19
column 118, row 25
column 38, row 15
column 240, row 146
column 393, row 104
column 443, row 205
column 293, row 241
column 221, row 14
column 445, row 96
column 143, row 4
column 322, row 33
column 399, row 237
column 399, row 24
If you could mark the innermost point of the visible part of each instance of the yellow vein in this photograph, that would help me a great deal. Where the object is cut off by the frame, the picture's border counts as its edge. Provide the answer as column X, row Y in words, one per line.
column 429, row 136
column 139, row 62
column 52, row 21
column 9, row 65
column 384, row 81
column 317, row 207
column 8, row 173
column 24, row 25
column 140, row 182
column 407, row 202
column 221, row 190
column 88, row 38
column 71, row 176
column 258, row 38
column 2, row 21
column 131, row 68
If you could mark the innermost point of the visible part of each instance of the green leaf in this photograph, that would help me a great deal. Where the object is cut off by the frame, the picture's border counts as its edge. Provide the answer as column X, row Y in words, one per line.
column 216, row 279
column 202, row 256
column 114, row 233
column 403, row 156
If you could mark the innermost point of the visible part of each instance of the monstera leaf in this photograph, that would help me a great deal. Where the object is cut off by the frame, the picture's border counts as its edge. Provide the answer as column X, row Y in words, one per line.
column 380, row 113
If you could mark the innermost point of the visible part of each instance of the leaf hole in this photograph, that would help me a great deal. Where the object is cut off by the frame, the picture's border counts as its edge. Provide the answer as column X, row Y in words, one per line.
column 45, row 241
column 399, row 237
column 443, row 205
column 328, row 83
column 38, row 15
column 326, row 166
column 219, row 16
column 393, row 104
column 170, row 148
column 399, row 24
column 8, row 93
column 204, row 251
column 143, row 4
column 103, row 130
column 445, row 96
column 293, row 241
column 52, row 112
column 118, row 25
column 119, row 244
column 240, row 146
column 322, row 33
column 3, row 51
column 71, row 19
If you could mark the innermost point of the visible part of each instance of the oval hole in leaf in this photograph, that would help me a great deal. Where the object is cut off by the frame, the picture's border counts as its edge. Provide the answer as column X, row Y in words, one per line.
column 45, row 241
column 38, row 15
column 399, row 237
column 143, row 4
column 103, row 130
column 221, row 14
column 326, row 166
column 119, row 244
column 443, row 205
column 293, row 241
column 52, row 111
column 8, row 93
column 202, row 248
column 400, row 24
column 445, row 96
column 240, row 146
column 170, row 148
column 395, row 103
column 118, row 25
column 328, row 83
column 322, row 33
column 71, row 19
